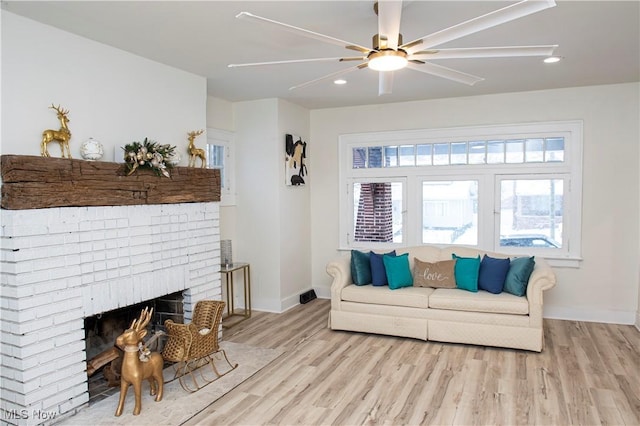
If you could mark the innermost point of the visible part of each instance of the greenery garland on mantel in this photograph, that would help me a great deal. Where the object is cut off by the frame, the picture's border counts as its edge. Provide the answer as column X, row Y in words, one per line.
column 150, row 155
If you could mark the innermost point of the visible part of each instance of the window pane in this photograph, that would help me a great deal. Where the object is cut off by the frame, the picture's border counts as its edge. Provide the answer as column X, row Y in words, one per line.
column 449, row 212
column 407, row 155
column 359, row 158
column 477, row 152
column 377, row 212
column 215, row 160
column 534, row 150
column 515, row 151
column 531, row 213
column 424, row 155
column 459, row 153
column 390, row 156
column 440, row 153
column 554, row 150
column 495, row 152
column 375, row 156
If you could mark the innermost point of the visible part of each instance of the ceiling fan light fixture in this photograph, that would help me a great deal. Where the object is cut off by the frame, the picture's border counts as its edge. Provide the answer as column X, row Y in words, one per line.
column 387, row 60
column 552, row 59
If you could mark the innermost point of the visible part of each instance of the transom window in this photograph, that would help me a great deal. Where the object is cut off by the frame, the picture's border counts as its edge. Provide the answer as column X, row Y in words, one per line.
column 512, row 188
column 513, row 151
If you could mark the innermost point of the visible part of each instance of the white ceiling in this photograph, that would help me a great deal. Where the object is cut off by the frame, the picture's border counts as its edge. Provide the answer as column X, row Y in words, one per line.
column 599, row 41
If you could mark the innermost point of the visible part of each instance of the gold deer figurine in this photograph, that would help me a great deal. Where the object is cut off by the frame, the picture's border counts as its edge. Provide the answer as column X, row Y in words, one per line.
column 196, row 152
column 138, row 363
column 61, row 136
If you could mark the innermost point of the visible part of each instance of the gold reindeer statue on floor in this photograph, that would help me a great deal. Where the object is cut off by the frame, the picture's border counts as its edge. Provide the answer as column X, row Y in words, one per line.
column 61, row 136
column 196, row 152
column 138, row 363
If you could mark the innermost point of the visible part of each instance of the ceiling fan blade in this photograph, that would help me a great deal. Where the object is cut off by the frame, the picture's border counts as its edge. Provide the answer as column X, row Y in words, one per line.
column 333, row 74
column 385, row 83
column 444, row 72
column 301, row 31
column 491, row 19
column 292, row 61
column 484, row 52
column 389, row 16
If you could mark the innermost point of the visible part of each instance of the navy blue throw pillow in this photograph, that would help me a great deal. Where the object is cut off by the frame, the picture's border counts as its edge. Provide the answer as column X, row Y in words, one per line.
column 378, row 271
column 493, row 273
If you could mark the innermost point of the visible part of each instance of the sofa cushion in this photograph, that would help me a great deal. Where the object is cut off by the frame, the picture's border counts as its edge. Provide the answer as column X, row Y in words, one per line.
column 378, row 271
column 360, row 268
column 518, row 276
column 466, row 272
column 415, row 297
column 437, row 275
column 482, row 301
column 398, row 271
column 493, row 273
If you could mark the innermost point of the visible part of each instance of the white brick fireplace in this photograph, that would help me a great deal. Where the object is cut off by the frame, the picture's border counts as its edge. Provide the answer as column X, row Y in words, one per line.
column 60, row 265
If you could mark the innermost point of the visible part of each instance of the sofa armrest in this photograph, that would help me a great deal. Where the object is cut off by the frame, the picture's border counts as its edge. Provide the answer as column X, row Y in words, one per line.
column 542, row 278
column 340, row 270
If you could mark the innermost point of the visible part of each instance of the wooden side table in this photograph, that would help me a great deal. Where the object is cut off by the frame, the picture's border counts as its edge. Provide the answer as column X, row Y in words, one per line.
column 228, row 272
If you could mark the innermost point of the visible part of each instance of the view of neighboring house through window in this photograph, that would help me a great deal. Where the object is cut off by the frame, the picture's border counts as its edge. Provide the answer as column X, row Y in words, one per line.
column 505, row 188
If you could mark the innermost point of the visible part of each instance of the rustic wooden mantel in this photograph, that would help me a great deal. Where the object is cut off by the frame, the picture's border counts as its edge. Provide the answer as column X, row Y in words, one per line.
column 31, row 182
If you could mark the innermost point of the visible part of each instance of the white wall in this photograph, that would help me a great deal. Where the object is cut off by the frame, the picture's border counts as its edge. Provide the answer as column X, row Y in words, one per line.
column 605, row 287
column 112, row 96
column 295, row 214
column 257, row 218
column 270, row 222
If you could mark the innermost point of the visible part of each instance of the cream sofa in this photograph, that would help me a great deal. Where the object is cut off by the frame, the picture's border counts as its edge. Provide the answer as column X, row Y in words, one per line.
column 442, row 314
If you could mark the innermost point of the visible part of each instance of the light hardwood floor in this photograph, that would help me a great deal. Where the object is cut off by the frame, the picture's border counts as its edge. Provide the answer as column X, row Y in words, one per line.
column 588, row 373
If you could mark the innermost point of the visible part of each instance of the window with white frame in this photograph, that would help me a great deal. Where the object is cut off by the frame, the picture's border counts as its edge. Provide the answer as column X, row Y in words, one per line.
column 509, row 188
column 220, row 155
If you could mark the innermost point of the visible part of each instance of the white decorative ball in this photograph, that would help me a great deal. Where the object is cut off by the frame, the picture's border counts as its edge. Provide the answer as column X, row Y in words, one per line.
column 91, row 150
column 174, row 159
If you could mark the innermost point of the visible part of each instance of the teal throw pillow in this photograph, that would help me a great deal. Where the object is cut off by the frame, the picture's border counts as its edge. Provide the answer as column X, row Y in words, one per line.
column 398, row 271
column 378, row 272
column 466, row 271
column 518, row 276
column 360, row 268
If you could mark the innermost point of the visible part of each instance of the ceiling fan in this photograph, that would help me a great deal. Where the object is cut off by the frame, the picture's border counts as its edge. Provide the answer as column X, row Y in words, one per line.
column 389, row 53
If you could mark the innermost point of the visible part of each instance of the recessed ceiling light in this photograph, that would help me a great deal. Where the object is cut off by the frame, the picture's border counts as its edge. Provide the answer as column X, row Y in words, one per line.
column 340, row 81
column 552, row 59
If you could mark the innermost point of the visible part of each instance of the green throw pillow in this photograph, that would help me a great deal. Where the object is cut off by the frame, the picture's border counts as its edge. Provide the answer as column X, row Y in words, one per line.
column 517, row 279
column 360, row 268
column 466, row 271
column 398, row 271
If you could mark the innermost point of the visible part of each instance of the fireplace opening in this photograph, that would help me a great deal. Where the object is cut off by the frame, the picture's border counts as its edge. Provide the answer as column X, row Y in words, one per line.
column 101, row 331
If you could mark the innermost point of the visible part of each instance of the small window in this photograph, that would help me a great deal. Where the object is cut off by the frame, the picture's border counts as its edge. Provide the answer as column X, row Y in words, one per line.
column 449, row 212
column 531, row 212
column 477, row 152
column 377, row 212
column 424, row 155
column 220, row 155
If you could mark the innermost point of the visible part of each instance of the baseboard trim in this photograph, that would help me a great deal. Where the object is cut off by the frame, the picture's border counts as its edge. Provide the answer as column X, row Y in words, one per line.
column 591, row 315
